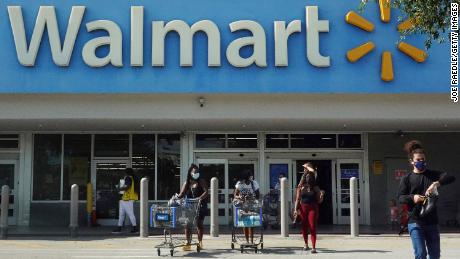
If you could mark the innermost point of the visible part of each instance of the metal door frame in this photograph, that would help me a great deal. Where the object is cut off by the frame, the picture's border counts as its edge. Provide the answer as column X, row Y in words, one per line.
column 337, row 205
column 15, row 206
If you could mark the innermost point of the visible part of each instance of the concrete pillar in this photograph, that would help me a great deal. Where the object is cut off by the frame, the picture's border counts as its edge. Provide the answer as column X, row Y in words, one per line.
column 284, row 207
column 354, row 216
column 214, row 207
column 144, row 215
column 4, row 213
column 73, row 210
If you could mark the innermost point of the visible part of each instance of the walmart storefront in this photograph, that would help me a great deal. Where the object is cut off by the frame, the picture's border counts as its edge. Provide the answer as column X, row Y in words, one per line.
column 89, row 88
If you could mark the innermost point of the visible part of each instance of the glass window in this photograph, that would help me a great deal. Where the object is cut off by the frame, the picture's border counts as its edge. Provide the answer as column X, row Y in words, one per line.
column 7, row 178
column 276, row 170
column 9, row 136
column 242, row 140
column 210, row 140
column 208, row 171
column 47, row 167
column 9, row 141
column 77, row 164
column 111, row 145
column 349, row 140
column 143, row 161
column 168, row 177
column 313, row 141
column 277, row 141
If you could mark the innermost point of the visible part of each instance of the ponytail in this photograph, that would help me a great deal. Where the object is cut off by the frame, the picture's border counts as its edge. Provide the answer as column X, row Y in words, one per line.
column 413, row 147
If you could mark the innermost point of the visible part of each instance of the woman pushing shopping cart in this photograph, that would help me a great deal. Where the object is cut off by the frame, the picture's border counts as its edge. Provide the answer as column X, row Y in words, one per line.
column 247, row 214
column 188, row 209
column 175, row 218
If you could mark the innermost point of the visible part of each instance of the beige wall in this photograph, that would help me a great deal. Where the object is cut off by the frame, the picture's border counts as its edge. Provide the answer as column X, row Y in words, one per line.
column 277, row 112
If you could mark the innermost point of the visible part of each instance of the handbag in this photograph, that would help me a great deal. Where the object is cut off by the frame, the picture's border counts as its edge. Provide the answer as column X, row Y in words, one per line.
column 429, row 204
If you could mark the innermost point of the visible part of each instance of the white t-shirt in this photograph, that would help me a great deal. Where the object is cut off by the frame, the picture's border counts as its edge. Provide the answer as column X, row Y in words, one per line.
column 247, row 189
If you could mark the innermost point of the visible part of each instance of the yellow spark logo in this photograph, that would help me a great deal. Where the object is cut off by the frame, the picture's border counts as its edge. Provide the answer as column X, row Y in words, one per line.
column 386, row 71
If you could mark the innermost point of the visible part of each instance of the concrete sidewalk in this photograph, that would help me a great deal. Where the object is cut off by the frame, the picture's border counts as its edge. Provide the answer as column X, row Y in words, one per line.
column 329, row 246
column 106, row 231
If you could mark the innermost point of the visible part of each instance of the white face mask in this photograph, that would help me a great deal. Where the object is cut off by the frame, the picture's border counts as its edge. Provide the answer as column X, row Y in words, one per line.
column 195, row 175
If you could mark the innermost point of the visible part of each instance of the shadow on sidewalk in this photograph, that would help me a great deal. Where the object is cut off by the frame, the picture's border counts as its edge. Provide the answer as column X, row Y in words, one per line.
column 214, row 253
column 330, row 251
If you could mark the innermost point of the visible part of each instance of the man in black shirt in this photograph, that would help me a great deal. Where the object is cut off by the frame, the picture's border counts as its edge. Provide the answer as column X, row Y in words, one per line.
column 413, row 190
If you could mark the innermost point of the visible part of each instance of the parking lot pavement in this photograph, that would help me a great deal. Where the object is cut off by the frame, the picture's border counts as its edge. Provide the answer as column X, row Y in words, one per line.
column 328, row 246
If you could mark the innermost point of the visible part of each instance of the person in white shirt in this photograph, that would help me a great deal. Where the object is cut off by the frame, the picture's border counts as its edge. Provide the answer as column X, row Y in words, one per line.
column 247, row 189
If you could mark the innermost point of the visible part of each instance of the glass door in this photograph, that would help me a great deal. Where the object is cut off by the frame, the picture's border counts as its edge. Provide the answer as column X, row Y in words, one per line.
column 8, row 176
column 346, row 169
column 210, row 168
column 106, row 174
column 277, row 168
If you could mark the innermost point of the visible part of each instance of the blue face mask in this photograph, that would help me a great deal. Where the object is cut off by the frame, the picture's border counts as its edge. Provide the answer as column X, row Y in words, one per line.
column 196, row 175
column 420, row 165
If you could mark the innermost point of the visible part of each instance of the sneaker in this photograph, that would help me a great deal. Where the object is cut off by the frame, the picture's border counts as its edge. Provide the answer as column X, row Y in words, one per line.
column 134, row 230
column 187, row 248
column 306, row 248
column 117, row 230
column 313, row 251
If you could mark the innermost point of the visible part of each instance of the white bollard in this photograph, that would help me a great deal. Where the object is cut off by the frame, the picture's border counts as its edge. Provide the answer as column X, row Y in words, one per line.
column 144, row 217
column 214, row 207
column 354, row 216
column 73, row 210
column 284, row 207
column 4, row 213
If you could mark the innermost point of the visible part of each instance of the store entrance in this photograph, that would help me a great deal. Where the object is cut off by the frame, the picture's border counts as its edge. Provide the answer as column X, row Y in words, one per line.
column 228, row 173
column 106, row 175
column 324, row 181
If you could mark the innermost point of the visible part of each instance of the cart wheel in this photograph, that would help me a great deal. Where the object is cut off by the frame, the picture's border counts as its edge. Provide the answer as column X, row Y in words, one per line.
column 171, row 252
column 158, row 252
column 233, row 246
column 241, row 249
column 261, row 246
column 255, row 250
column 198, row 248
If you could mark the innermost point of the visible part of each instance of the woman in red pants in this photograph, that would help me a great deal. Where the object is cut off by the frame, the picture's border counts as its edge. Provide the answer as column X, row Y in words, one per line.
column 308, row 197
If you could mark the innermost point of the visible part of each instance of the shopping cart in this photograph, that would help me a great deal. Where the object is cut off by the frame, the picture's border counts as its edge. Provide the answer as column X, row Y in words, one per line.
column 271, row 210
column 175, row 219
column 247, row 214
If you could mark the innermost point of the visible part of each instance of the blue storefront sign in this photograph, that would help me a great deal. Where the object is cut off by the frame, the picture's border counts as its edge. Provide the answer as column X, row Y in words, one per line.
column 349, row 173
column 259, row 46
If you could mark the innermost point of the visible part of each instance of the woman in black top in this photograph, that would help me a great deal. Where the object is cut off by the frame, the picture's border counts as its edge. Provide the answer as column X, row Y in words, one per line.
column 413, row 190
column 308, row 196
column 195, row 187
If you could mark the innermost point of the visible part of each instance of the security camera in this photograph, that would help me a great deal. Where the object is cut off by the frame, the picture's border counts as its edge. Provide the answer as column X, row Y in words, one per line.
column 201, row 100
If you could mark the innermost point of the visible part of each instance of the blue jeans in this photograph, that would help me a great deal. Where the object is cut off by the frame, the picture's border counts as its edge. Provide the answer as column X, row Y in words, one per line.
column 425, row 237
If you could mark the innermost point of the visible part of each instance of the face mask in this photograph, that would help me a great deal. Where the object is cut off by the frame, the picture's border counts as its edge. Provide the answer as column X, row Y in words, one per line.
column 195, row 176
column 420, row 165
